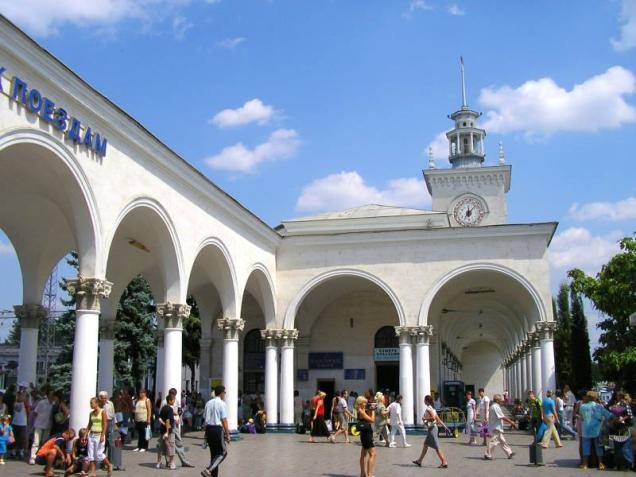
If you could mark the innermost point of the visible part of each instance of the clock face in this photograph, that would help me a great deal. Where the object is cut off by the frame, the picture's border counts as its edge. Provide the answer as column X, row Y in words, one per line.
column 469, row 211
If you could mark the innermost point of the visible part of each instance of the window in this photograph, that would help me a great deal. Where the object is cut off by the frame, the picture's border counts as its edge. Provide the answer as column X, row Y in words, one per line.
column 253, row 362
column 386, row 338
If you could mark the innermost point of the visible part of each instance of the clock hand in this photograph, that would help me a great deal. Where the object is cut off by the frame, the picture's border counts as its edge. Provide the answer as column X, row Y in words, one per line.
column 469, row 212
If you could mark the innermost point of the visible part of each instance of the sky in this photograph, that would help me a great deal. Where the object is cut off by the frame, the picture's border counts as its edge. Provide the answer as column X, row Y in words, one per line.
column 296, row 107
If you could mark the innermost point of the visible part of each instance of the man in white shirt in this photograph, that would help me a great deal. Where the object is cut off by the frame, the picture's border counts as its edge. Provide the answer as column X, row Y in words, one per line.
column 109, row 409
column 41, row 424
column 495, row 426
column 397, row 424
column 217, row 432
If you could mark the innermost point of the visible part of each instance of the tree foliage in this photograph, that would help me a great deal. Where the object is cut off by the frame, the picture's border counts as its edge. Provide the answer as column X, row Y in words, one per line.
column 135, row 334
column 579, row 346
column 563, row 336
column 191, row 350
column 613, row 292
column 59, row 377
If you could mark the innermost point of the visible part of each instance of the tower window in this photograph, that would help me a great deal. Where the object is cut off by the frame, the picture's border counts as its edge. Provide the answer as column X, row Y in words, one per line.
column 464, row 123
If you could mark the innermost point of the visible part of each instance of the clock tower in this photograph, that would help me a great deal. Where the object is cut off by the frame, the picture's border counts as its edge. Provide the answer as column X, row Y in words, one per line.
column 469, row 192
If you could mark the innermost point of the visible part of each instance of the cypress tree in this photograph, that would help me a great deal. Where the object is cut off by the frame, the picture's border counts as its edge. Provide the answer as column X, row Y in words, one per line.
column 191, row 349
column 563, row 337
column 135, row 340
column 580, row 345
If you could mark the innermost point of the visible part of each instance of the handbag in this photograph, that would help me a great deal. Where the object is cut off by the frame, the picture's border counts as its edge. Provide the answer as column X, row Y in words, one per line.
column 483, row 430
column 148, row 433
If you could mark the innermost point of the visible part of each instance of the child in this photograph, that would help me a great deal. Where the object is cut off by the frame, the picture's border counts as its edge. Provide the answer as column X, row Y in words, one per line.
column 6, row 436
column 79, row 455
column 166, row 445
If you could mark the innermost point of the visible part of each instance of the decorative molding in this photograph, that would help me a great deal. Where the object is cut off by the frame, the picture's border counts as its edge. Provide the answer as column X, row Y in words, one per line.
column 271, row 336
column 88, row 291
column 546, row 330
column 30, row 315
column 288, row 337
column 173, row 314
column 231, row 327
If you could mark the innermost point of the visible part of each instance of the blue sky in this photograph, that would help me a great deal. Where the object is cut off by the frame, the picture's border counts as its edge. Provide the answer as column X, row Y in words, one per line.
column 297, row 107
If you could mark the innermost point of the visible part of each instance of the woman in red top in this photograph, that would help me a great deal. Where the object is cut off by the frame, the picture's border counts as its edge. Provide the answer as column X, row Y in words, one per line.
column 318, row 427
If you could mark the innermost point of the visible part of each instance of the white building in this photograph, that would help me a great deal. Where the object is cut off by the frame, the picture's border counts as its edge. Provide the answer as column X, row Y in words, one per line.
column 464, row 295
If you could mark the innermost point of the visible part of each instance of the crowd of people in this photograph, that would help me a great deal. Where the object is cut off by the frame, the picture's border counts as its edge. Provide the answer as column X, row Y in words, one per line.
column 34, row 425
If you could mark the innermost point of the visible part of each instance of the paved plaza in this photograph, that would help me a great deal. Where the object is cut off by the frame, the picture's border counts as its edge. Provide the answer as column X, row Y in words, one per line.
column 282, row 455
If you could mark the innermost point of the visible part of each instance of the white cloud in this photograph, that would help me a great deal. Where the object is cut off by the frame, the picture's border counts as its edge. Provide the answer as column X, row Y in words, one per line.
column 577, row 247
column 253, row 111
column 609, row 211
column 6, row 249
column 231, row 43
column 627, row 39
column 419, row 5
column 180, row 25
column 282, row 144
column 45, row 17
column 455, row 10
column 439, row 146
column 348, row 189
column 541, row 107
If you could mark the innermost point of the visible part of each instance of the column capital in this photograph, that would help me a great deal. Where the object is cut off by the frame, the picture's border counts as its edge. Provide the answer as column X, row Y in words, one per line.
column 271, row 336
column 173, row 313
column 88, row 291
column 422, row 334
column 106, row 329
column 231, row 327
column 30, row 315
column 546, row 329
column 288, row 337
column 533, row 339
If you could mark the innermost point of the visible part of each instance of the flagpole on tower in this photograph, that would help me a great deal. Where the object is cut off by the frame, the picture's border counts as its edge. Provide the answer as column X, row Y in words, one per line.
column 461, row 63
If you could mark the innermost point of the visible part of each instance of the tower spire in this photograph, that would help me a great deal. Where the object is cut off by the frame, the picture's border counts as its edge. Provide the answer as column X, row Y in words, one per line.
column 461, row 65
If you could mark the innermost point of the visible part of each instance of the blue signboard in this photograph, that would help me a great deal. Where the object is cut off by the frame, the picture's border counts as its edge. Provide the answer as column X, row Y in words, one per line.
column 302, row 375
column 355, row 374
column 326, row 360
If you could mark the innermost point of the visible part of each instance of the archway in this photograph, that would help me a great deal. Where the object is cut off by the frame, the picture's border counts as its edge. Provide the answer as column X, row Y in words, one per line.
column 479, row 314
column 337, row 317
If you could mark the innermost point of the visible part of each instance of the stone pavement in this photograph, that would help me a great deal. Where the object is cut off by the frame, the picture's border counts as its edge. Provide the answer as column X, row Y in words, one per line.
column 283, row 455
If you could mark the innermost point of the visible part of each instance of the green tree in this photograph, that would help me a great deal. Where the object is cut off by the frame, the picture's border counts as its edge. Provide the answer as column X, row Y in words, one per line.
column 613, row 292
column 562, row 336
column 59, row 377
column 135, row 333
column 191, row 350
column 579, row 345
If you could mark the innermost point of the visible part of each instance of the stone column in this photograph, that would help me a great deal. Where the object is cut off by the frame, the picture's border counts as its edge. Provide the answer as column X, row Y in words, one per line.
column 159, row 369
column 231, row 328
column 529, row 383
column 405, row 334
column 271, row 338
column 205, row 345
column 287, row 379
column 30, row 317
column 422, row 368
column 172, row 315
column 517, row 374
column 546, row 331
column 88, row 293
column 536, row 364
column 524, row 376
column 106, row 356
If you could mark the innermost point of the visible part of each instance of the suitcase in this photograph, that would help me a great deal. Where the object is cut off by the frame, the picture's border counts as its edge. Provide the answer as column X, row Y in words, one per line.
column 536, row 454
column 116, row 453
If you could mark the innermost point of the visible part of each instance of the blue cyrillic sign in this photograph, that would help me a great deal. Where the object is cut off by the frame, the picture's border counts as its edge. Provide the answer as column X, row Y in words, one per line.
column 58, row 117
